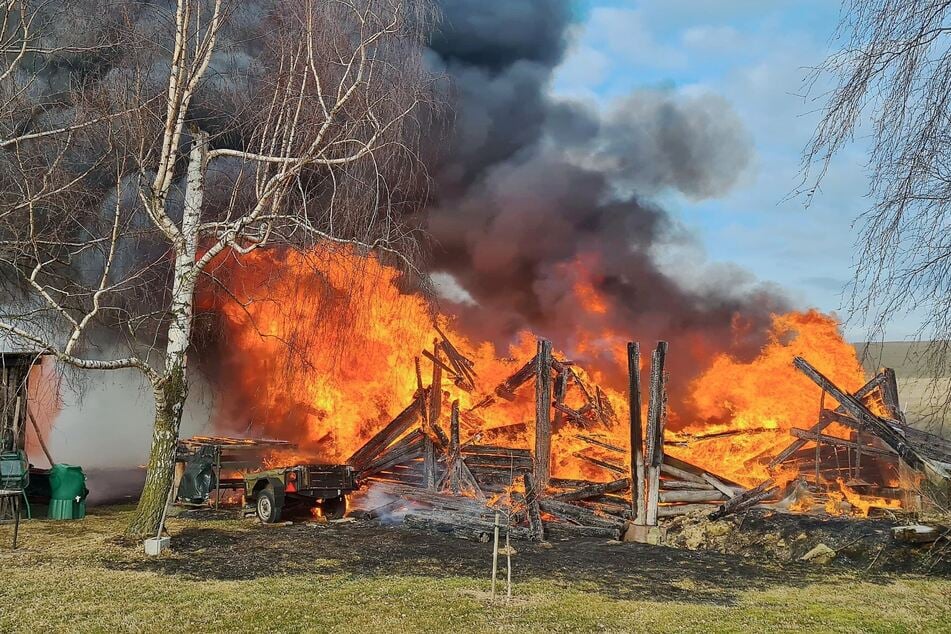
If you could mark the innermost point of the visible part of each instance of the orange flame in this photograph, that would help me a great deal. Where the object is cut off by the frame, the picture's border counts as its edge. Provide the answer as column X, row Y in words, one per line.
column 355, row 336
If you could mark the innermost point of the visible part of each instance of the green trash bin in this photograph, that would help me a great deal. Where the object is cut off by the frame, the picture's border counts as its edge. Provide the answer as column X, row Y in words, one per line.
column 67, row 492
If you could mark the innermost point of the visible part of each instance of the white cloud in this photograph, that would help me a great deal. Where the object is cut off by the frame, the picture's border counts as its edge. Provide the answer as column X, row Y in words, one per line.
column 624, row 32
column 712, row 39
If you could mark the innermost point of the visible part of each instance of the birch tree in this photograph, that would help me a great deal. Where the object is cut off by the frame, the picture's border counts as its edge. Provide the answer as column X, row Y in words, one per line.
column 142, row 141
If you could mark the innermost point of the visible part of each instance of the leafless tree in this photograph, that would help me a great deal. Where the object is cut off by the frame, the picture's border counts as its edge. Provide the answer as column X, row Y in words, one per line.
column 892, row 86
column 142, row 141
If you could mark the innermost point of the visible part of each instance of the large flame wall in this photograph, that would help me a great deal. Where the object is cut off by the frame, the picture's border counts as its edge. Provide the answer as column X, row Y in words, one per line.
column 319, row 348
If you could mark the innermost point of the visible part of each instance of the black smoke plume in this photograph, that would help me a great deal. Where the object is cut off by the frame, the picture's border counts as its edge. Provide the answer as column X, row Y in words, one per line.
column 537, row 191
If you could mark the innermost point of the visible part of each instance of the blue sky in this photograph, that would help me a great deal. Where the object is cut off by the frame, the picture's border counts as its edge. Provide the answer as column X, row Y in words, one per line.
column 755, row 54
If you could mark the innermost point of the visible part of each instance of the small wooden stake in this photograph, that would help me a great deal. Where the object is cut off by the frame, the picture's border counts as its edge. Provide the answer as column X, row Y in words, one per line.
column 495, row 553
column 454, row 457
column 508, row 566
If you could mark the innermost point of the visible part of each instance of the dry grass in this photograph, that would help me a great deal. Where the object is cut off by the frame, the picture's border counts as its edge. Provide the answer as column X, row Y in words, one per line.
column 72, row 577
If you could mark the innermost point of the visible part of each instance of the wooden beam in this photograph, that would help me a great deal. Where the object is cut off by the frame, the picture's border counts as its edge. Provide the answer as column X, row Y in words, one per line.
column 890, row 394
column 454, row 448
column 614, row 468
column 796, row 445
column 746, row 500
column 638, row 499
column 533, row 510
column 656, row 414
column 840, row 442
column 691, row 496
column 506, row 389
column 543, row 414
column 880, row 427
column 396, row 428
column 433, row 420
column 600, row 443
column 593, row 490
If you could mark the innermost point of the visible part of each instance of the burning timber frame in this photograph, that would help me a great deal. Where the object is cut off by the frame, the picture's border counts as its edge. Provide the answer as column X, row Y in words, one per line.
column 922, row 460
column 457, row 486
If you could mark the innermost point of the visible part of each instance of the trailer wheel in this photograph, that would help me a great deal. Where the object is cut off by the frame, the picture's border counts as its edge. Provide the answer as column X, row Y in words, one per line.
column 334, row 508
column 267, row 507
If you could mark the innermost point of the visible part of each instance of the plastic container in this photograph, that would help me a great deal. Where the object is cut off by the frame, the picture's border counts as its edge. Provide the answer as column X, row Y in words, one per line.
column 67, row 492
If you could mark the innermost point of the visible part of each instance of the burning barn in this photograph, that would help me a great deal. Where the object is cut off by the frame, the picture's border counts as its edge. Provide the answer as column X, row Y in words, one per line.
column 447, row 434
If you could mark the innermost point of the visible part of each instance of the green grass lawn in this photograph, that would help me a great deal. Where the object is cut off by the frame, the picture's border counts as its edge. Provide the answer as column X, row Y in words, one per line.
column 73, row 577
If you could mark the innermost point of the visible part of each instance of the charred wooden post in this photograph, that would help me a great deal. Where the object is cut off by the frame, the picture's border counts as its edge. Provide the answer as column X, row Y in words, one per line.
column 561, row 389
column 655, row 430
column 638, row 500
column 454, row 447
column 533, row 510
column 890, row 394
column 543, row 414
column 435, row 411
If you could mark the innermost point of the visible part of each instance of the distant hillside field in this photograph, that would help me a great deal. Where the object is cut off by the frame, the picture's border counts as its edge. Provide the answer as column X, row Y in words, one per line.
column 921, row 393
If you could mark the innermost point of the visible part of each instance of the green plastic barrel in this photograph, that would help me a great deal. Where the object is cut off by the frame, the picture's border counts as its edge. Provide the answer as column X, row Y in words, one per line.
column 67, row 492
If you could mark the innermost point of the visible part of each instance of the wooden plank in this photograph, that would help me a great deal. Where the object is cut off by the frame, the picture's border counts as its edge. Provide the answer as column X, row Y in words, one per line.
column 890, row 394
column 543, row 414
column 454, row 457
column 683, row 484
column 840, row 442
column 408, row 448
column 594, row 490
column 686, row 476
column 796, row 445
column 682, row 509
column 561, row 389
column 719, row 485
column 396, row 428
column 572, row 513
column 437, row 362
column 691, row 496
column 763, row 490
column 497, row 450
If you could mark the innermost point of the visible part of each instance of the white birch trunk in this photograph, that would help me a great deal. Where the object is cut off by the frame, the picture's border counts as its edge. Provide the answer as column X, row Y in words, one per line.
column 171, row 389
